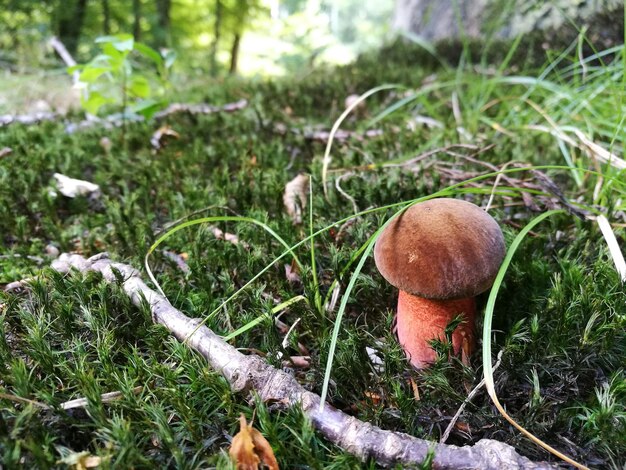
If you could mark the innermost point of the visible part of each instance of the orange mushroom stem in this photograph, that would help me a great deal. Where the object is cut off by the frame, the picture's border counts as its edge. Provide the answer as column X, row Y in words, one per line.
column 420, row 320
column 440, row 254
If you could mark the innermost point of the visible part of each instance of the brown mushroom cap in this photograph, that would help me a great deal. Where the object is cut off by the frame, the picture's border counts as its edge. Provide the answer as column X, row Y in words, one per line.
column 441, row 249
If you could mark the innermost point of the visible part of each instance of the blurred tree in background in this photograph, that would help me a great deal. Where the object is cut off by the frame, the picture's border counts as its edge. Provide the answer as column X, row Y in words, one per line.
column 443, row 19
column 271, row 36
column 210, row 35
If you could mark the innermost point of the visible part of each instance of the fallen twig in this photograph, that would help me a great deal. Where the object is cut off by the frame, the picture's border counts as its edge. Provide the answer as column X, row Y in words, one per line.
column 116, row 120
column 355, row 208
column 18, row 286
column 322, row 135
column 68, row 405
column 584, row 143
column 60, row 49
column 471, row 395
column 27, row 119
column 105, row 398
column 175, row 108
column 202, row 108
column 251, row 373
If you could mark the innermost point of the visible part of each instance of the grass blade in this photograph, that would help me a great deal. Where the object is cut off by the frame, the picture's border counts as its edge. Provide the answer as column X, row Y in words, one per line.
column 335, row 128
column 487, row 366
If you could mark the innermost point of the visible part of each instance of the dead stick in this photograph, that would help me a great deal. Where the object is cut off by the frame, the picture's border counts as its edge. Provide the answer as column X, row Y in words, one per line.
column 60, row 49
column 251, row 374
column 469, row 398
column 202, row 108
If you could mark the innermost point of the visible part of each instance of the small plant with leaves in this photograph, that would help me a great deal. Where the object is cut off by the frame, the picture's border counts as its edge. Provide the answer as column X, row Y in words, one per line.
column 118, row 77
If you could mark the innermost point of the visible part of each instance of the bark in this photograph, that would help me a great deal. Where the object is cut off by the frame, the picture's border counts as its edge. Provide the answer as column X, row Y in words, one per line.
column 440, row 19
column 70, row 23
column 65, row 56
column 163, row 12
column 137, row 20
column 106, row 17
column 217, row 31
column 234, row 54
column 247, row 374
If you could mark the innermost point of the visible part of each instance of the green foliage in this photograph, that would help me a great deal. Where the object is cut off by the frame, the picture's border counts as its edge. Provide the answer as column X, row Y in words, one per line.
column 114, row 78
column 559, row 316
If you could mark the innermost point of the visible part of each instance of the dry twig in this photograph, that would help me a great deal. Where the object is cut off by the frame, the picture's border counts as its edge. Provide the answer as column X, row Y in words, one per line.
column 248, row 374
column 471, row 395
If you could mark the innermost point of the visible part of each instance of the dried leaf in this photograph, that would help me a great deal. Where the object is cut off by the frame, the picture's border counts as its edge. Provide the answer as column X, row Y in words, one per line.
column 264, row 450
column 178, row 259
column 463, row 427
column 359, row 107
column 242, row 449
column 71, row 187
column 249, row 449
column 298, row 362
column 81, row 460
column 229, row 237
column 92, row 461
column 427, row 121
column 157, row 139
column 295, row 197
column 374, row 397
column 599, row 152
column 415, row 388
column 4, row 151
column 375, row 359
column 292, row 273
column 529, row 202
column 106, row 144
column 614, row 249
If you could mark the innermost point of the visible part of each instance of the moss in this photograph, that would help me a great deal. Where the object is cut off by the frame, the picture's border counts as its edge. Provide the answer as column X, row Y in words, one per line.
column 559, row 318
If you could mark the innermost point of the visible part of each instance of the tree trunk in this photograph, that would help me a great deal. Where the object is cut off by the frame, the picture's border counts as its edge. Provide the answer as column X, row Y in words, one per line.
column 234, row 54
column 106, row 21
column 70, row 23
column 163, row 12
column 217, row 31
column 137, row 20
column 440, row 19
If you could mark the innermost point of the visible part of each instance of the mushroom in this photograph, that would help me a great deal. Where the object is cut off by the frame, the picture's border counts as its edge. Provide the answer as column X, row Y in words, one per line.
column 440, row 254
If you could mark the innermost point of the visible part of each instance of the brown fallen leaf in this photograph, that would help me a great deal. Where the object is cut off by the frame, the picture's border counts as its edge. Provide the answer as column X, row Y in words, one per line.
column 157, row 139
column 415, row 388
column 374, row 397
column 298, row 362
column 106, row 145
column 295, row 197
column 250, row 449
column 72, row 187
column 81, row 460
column 463, row 427
column 292, row 273
column 178, row 259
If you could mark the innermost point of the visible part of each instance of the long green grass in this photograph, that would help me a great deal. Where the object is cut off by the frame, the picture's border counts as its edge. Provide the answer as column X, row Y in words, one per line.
column 559, row 320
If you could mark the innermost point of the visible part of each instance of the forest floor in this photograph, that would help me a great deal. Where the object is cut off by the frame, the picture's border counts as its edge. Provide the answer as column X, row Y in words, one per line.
column 559, row 320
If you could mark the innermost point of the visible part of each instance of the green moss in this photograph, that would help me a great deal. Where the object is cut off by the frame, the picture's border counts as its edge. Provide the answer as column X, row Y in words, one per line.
column 560, row 315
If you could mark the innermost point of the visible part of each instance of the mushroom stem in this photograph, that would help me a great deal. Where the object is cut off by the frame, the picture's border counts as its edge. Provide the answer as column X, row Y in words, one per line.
column 421, row 320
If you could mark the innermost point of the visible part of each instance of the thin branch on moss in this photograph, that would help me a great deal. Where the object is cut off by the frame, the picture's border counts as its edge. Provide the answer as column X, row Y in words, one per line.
column 106, row 123
column 247, row 374
column 202, row 108
column 469, row 398
column 322, row 135
column 27, row 119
